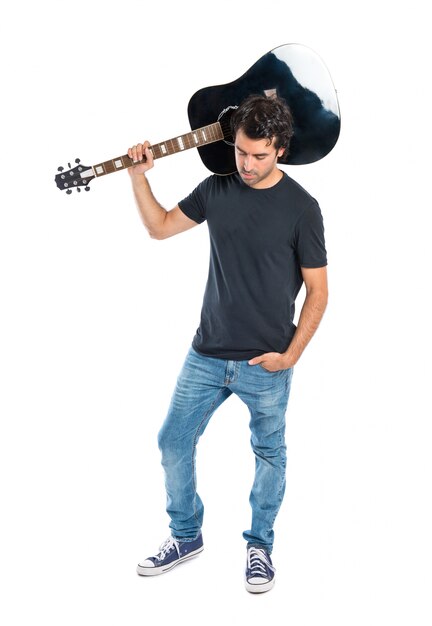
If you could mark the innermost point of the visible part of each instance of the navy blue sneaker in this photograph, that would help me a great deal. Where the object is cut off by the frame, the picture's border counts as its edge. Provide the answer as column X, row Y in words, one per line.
column 170, row 554
column 260, row 573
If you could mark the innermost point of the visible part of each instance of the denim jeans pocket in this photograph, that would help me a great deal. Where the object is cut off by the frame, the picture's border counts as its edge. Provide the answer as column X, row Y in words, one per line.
column 268, row 371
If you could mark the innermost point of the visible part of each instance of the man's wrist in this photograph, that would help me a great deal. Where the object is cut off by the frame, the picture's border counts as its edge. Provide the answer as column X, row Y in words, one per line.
column 288, row 360
column 139, row 179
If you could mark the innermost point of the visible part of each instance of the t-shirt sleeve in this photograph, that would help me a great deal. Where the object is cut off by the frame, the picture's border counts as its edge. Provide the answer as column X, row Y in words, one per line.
column 194, row 205
column 310, row 241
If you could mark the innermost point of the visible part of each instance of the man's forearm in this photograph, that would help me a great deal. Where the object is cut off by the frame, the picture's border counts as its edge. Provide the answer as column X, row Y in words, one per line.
column 152, row 213
column 311, row 314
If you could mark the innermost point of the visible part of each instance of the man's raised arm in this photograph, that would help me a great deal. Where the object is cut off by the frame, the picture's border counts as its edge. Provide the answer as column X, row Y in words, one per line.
column 159, row 222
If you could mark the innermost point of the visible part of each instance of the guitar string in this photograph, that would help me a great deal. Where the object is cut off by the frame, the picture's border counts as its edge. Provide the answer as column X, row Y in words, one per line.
column 214, row 132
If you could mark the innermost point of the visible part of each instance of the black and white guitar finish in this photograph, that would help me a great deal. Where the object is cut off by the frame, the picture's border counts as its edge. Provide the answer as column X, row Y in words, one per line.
column 292, row 71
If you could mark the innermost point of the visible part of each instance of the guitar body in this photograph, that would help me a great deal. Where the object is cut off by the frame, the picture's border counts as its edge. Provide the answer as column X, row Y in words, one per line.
column 293, row 72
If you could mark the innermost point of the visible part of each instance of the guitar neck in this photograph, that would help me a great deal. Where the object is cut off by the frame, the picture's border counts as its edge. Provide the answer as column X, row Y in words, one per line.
column 194, row 139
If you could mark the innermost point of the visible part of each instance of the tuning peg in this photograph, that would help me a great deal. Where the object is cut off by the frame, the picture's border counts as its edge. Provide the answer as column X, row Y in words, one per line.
column 60, row 169
column 77, row 160
column 87, row 188
column 69, row 166
column 69, row 191
column 79, row 189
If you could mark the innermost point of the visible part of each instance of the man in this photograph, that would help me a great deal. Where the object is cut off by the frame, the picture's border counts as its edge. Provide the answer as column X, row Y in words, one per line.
column 267, row 238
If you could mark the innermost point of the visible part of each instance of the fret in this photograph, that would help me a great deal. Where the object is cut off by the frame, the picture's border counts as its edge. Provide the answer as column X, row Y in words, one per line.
column 156, row 151
column 113, row 165
column 99, row 169
column 194, row 139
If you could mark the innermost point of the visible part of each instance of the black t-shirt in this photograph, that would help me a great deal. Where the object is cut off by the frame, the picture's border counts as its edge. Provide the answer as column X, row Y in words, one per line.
column 259, row 240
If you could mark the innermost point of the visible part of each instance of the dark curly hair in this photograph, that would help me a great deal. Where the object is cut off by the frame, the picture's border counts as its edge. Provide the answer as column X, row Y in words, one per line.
column 260, row 117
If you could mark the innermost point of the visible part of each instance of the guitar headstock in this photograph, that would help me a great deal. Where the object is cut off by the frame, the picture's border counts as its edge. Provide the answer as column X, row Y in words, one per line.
column 74, row 177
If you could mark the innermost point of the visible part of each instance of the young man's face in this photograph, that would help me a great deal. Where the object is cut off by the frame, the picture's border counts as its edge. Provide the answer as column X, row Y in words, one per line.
column 256, row 161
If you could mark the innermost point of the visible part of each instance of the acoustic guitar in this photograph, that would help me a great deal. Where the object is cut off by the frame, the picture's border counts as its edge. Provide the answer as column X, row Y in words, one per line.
column 292, row 71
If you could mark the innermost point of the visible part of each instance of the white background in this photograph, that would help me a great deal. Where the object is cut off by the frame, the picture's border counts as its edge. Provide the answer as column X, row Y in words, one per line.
column 96, row 319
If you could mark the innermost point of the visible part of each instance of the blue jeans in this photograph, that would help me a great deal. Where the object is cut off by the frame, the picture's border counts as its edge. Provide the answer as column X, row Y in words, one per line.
column 203, row 384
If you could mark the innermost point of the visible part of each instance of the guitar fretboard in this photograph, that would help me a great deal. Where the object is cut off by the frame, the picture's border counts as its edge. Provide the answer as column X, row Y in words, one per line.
column 194, row 139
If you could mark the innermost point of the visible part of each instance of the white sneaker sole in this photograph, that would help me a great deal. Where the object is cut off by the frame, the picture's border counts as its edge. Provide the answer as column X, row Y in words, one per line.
column 260, row 588
column 155, row 571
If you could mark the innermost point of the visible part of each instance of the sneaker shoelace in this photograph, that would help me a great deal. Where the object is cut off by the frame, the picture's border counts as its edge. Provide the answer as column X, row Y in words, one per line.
column 167, row 546
column 258, row 562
